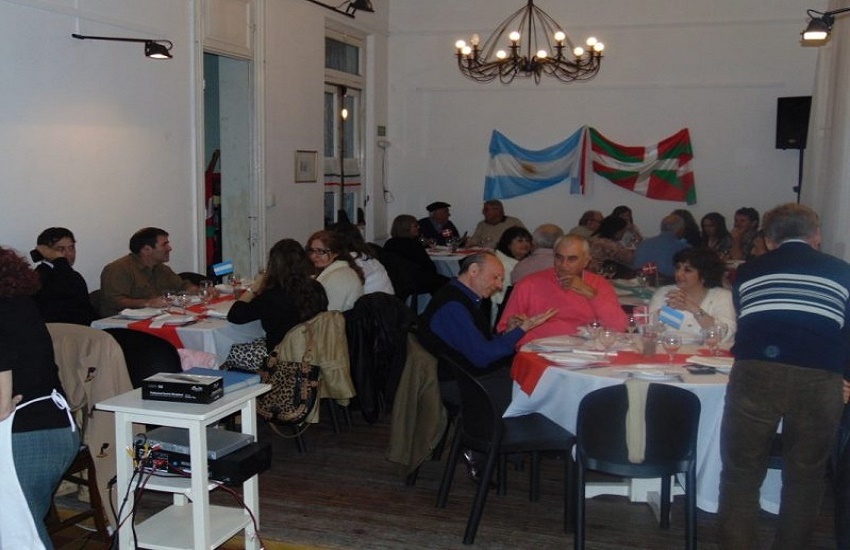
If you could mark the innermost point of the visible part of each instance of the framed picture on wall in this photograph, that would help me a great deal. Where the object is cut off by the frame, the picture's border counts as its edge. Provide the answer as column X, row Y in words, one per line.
column 306, row 165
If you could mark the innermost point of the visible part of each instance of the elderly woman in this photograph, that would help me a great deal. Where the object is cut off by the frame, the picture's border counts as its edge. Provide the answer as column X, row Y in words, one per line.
column 698, row 293
column 606, row 247
column 38, row 439
column 335, row 269
column 715, row 235
column 409, row 258
column 514, row 245
column 285, row 296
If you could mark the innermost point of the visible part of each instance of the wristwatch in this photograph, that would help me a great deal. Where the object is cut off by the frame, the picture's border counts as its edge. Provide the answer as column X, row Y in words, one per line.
column 699, row 313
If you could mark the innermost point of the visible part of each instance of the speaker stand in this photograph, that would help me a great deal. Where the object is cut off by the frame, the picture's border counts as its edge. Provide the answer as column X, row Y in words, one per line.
column 799, row 185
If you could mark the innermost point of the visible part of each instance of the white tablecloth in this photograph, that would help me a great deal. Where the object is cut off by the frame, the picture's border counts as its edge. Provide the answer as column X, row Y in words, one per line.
column 447, row 264
column 210, row 335
column 559, row 392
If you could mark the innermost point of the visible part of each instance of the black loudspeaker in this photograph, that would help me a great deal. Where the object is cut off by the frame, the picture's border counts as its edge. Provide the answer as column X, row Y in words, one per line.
column 792, row 121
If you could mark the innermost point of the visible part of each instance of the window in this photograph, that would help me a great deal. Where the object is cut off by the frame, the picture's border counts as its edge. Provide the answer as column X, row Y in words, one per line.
column 343, row 151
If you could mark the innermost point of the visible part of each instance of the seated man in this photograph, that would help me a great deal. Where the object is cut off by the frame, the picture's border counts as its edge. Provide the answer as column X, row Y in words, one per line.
column 64, row 295
column 437, row 225
column 579, row 296
column 454, row 324
column 489, row 230
column 141, row 278
column 543, row 239
column 659, row 250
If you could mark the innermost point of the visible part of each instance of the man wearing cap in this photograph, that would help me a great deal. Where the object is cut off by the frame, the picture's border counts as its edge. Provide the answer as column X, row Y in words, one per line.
column 437, row 225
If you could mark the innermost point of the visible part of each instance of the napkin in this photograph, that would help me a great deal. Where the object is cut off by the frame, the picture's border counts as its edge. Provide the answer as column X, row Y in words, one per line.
column 219, row 310
column 711, row 361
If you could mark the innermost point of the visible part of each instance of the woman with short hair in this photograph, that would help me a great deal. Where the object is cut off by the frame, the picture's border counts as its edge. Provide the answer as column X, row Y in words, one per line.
column 698, row 293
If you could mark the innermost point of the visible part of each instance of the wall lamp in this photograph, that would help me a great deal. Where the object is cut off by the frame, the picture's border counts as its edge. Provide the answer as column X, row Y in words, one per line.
column 154, row 49
column 353, row 6
column 820, row 25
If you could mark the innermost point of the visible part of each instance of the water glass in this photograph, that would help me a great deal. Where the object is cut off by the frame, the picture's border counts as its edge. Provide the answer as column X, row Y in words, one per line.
column 607, row 339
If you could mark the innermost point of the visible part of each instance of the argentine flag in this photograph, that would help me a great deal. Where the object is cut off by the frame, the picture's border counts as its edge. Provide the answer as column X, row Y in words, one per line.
column 516, row 171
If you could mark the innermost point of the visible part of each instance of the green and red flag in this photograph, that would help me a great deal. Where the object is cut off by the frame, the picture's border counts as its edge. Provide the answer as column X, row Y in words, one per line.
column 660, row 171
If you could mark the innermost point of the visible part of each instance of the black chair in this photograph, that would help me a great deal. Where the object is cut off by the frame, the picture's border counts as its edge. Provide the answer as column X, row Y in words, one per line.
column 145, row 354
column 672, row 423
column 482, row 428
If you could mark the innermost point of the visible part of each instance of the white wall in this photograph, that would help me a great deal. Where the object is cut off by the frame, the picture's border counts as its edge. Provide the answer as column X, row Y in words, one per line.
column 715, row 68
column 97, row 138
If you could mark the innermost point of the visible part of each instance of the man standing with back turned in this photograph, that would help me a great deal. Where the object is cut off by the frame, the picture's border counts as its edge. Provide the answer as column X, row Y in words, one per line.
column 791, row 351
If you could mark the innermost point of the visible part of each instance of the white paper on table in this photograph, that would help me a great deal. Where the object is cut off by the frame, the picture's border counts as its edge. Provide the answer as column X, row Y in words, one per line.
column 219, row 310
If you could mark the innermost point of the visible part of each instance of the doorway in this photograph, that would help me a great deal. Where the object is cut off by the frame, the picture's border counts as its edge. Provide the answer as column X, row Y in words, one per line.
column 231, row 207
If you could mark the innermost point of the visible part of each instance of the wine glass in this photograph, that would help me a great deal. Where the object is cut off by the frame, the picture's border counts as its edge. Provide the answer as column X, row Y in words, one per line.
column 607, row 339
column 671, row 342
column 593, row 330
column 206, row 290
column 632, row 326
column 712, row 336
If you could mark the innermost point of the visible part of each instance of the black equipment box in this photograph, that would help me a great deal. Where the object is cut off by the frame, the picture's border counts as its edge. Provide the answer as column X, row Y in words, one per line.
column 232, row 469
column 182, row 387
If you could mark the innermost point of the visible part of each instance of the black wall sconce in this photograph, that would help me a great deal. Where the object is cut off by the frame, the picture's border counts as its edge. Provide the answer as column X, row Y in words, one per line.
column 154, row 49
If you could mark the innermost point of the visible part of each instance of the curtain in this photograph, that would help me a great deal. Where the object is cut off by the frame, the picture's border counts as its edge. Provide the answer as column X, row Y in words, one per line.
column 826, row 171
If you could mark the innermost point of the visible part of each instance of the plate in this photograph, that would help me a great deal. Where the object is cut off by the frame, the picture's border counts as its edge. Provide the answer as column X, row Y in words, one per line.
column 555, row 343
column 224, row 289
column 654, row 375
column 140, row 313
column 178, row 319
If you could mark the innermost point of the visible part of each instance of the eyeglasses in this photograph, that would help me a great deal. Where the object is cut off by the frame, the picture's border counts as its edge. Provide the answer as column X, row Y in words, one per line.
column 319, row 251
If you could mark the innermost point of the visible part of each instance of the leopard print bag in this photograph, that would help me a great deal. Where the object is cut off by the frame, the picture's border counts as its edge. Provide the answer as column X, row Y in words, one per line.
column 295, row 388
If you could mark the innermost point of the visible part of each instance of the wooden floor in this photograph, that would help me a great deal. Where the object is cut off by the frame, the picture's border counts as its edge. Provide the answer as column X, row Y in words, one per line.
column 343, row 493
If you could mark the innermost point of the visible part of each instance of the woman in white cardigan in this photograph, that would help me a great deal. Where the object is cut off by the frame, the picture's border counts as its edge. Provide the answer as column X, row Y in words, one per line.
column 698, row 293
column 336, row 270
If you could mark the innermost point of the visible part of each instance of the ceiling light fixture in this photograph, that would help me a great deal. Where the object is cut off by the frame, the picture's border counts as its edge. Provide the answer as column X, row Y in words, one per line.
column 820, row 25
column 546, row 50
column 352, row 6
column 154, row 49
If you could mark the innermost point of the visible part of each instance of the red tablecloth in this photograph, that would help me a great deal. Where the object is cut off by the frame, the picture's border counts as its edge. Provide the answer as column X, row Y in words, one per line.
column 528, row 367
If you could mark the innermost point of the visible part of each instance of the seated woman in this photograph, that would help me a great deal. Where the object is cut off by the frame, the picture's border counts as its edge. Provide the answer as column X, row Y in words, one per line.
column 606, row 247
column 692, row 235
column 38, row 437
column 417, row 265
column 64, row 296
column 285, row 296
column 376, row 276
column 514, row 245
column 335, row 269
column 632, row 236
column 715, row 235
column 698, row 293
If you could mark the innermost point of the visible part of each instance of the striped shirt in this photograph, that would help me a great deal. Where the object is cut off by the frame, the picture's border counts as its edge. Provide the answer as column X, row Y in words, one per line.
column 793, row 306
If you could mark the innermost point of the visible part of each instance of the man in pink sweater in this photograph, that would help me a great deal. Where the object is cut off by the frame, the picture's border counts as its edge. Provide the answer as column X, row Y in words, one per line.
column 580, row 296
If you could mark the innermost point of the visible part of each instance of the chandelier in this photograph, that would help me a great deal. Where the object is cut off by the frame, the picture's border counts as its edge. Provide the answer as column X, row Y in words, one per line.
column 544, row 50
